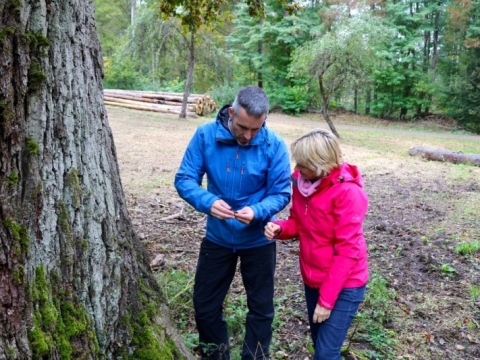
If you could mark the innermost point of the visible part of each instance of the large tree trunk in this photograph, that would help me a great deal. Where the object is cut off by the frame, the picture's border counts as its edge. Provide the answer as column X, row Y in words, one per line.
column 74, row 278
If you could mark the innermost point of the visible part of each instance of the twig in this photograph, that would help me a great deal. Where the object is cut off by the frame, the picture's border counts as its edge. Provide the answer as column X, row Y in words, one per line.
column 174, row 216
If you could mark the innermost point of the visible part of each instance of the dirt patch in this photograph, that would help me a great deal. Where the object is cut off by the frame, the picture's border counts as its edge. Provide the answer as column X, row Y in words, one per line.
column 418, row 214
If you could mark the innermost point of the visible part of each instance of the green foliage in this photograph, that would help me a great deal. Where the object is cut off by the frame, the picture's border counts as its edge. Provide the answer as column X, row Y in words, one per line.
column 192, row 14
column 377, row 310
column 460, row 65
column 448, row 270
column 173, row 85
column 468, row 248
column 224, row 94
column 387, row 57
column 120, row 73
column 112, row 19
column 292, row 100
column 177, row 287
column 341, row 57
column 475, row 292
column 263, row 47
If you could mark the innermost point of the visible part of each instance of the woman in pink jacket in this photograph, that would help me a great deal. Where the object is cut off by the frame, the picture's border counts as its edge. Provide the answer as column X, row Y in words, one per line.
column 327, row 212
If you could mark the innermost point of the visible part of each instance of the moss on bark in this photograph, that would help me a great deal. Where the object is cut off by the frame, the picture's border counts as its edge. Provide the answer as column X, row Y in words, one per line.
column 58, row 320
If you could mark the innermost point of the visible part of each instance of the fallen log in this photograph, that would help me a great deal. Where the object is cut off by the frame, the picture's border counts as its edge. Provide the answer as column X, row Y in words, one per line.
column 200, row 104
column 444, row 155
column 154, row 105
column 177, row 97
column 149, row 108
column 129, row 97
column 143, row 92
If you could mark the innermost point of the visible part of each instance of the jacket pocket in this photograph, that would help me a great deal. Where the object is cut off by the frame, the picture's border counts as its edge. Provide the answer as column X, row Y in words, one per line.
column 252, row 177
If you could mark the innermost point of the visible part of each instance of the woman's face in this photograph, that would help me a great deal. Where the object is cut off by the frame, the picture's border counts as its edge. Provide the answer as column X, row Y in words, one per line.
column 307, row 174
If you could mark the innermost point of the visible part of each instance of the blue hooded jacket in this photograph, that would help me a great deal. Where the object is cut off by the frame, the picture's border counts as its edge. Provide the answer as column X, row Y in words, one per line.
column 256, row 175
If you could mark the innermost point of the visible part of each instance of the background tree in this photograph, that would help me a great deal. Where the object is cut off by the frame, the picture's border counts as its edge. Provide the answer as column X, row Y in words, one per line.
column 112, row 19
column 193, row 15
column 74, row 279
column 413, row 76
column 263, row 48
column 460, row 64
column 343, row 56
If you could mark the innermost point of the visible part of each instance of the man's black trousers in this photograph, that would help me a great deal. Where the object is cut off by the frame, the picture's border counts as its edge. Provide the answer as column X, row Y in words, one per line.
column 215, row 271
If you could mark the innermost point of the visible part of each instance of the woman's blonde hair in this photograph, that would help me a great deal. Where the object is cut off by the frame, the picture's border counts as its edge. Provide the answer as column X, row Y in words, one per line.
column 317, row 150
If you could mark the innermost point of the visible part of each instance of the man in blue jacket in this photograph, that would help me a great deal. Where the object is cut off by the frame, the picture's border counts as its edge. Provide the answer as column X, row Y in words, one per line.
column 248, row 169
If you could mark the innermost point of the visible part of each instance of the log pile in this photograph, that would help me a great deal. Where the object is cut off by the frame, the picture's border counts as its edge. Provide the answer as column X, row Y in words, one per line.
column 444, row 155
column 166, row 102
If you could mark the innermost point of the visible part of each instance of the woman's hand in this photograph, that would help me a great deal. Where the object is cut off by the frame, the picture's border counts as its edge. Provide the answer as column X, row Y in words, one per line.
column 272, row 230
column 321, row 314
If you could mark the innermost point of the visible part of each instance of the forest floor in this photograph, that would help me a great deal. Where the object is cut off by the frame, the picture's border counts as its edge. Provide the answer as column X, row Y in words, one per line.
column 422, row 231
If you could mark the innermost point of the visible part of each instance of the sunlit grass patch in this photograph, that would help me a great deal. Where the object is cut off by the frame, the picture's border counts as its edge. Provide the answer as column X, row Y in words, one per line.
column 465, row 248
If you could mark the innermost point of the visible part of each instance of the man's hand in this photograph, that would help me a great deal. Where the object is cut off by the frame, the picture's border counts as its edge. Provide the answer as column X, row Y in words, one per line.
column 245, row 215
column 272, row 230
column 321, row 314
column 221, row 210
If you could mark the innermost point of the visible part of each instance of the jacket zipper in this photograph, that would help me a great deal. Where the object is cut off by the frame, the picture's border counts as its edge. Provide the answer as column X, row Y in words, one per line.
column 241, row 176
column 228, row 171
column 233, row 187
column 306, row 207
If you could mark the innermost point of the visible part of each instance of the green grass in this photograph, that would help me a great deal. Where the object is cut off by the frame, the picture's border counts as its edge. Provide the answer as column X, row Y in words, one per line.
column 400, row 143
column 475, row 292
column 465, row 248
column 177, row 287
column 378, row 310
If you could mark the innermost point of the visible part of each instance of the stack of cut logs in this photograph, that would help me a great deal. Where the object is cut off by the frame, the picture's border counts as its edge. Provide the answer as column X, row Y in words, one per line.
column 166, row 102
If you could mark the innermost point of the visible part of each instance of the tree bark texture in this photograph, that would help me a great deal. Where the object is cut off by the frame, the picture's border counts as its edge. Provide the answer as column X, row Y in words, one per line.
column 74, row 278
column 445, row 155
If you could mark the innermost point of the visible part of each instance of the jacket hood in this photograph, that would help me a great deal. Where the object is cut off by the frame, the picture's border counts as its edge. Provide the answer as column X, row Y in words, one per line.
column 339, row 175
column 222, row 116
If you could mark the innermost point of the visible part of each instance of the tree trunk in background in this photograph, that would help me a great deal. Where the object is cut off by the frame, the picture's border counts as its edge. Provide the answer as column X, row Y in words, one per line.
column 355, row 101
column 368, row 100
column 74, row 279
column 132, row 11
column 188, row 83
column 260, row 52
column 259, row 73
column 325, row 105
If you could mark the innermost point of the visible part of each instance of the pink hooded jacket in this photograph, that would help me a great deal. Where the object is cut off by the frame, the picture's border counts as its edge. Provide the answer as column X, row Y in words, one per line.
column 333, row 253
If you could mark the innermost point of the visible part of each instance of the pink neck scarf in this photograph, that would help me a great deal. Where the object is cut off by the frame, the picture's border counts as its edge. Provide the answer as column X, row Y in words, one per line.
column 306, row 187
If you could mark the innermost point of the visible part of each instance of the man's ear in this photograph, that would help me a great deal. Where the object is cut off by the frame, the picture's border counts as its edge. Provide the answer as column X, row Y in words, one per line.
column 230, row 111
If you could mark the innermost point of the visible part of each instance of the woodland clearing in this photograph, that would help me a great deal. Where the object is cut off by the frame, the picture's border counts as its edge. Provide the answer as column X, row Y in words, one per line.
column 422, row 231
